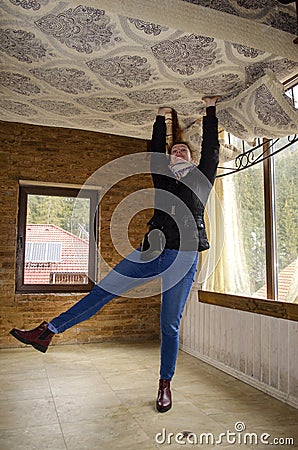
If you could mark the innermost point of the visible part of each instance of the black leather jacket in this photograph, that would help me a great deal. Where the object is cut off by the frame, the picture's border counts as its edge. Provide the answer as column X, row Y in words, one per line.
column 179, row 205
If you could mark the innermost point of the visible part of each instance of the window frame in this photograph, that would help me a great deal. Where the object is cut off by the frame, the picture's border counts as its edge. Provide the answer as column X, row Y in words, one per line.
column 36, row 189
column 273, row 308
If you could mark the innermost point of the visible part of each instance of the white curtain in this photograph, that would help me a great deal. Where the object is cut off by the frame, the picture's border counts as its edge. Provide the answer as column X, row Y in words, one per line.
column 223, row 268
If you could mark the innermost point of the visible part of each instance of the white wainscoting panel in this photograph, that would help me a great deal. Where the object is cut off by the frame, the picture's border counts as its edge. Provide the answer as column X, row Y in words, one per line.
column 259, row 350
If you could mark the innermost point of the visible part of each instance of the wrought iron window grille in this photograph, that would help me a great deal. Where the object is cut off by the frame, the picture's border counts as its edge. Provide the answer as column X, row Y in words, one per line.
column 248, row 159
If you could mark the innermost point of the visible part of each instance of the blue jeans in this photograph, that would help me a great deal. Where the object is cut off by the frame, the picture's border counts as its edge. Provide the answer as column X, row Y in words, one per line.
column 177, row 271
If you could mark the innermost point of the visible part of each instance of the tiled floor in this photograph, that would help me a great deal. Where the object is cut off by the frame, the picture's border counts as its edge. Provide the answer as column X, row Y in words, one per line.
column 102, row 396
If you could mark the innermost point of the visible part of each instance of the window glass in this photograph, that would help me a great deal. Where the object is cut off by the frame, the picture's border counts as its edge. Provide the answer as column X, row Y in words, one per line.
column 249, row 197
column 286, row 192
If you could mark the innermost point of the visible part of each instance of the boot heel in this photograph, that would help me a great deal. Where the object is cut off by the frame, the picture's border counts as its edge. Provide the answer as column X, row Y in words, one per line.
column 39, row 347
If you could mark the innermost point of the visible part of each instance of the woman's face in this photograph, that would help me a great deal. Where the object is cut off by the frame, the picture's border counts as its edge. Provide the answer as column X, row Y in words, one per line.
column 180, row 151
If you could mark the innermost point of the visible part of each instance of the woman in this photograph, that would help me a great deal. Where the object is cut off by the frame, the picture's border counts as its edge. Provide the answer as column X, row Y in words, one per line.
column 169, row 249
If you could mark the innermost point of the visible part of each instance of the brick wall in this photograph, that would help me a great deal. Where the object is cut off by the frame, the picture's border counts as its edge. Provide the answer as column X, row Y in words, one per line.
column 60, row 155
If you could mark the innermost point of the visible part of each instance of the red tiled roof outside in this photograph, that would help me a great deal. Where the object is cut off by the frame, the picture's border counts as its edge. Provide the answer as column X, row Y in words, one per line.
column 74, row 258
column 285, row 278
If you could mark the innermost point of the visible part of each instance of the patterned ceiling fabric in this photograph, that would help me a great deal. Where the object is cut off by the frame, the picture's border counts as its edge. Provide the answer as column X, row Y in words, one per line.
column 82, row 65
column 268, row 12
column 260, row 110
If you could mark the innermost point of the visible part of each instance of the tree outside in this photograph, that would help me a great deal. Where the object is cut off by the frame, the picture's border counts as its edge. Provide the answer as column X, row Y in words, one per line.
column 69, row 213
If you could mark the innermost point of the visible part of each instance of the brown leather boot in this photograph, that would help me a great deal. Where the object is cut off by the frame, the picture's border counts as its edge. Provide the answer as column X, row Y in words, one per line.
column 40, row 337
column 164, row 396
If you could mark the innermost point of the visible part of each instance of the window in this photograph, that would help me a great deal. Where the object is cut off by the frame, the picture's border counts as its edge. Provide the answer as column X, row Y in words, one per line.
column 260, row 257
column 57, row 235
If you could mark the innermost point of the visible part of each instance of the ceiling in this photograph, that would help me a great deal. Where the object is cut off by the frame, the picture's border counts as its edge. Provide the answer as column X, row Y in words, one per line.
column 107, row 65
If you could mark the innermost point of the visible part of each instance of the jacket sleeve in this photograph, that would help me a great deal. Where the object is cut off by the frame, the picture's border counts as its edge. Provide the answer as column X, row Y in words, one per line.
column 158, row 141
column 158, row 146
column 210, row 148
